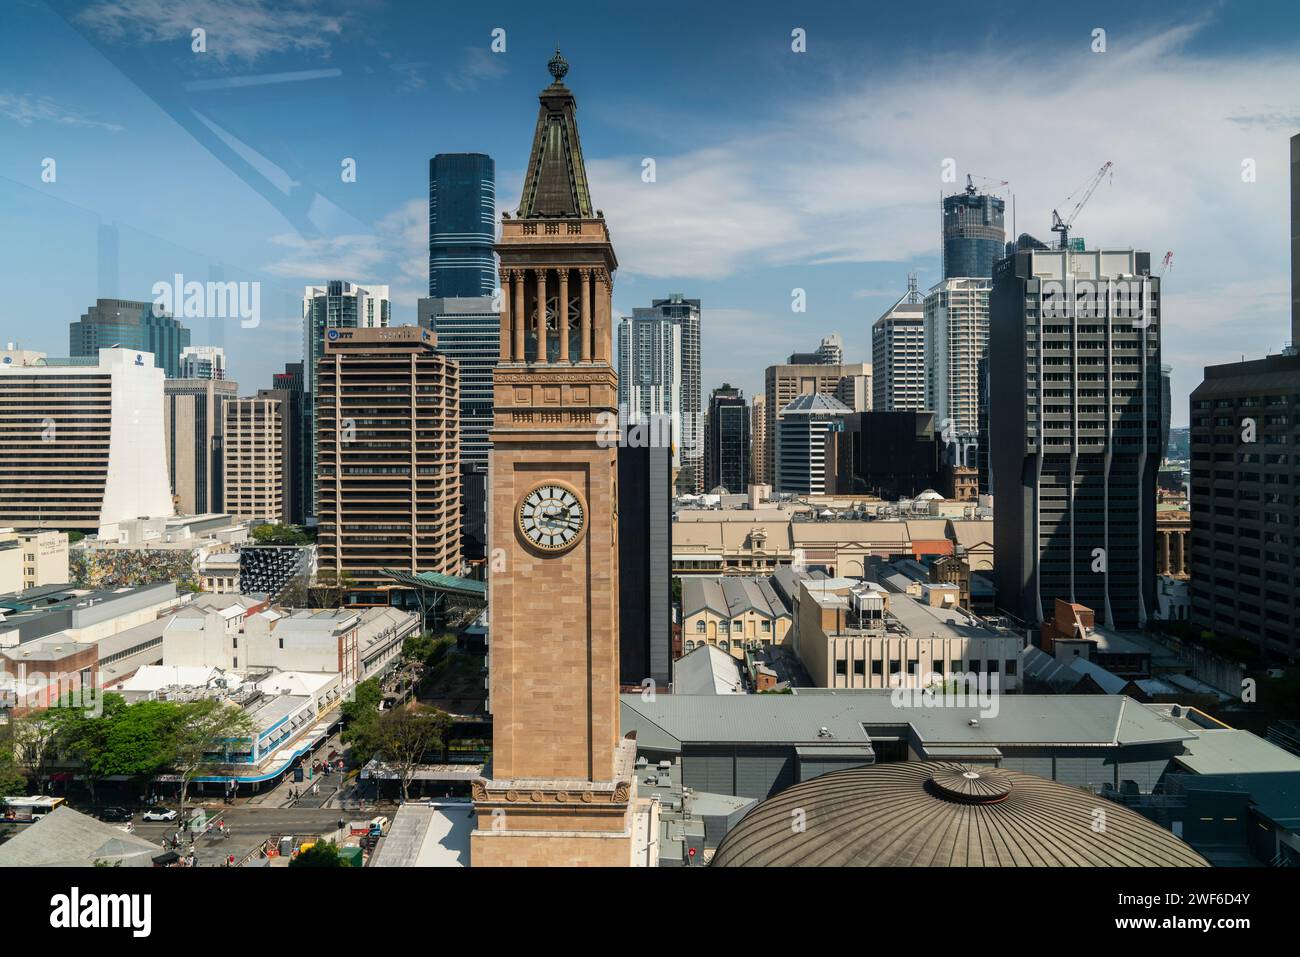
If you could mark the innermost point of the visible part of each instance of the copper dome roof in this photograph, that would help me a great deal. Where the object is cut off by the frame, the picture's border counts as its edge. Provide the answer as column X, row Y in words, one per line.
column 938, row 814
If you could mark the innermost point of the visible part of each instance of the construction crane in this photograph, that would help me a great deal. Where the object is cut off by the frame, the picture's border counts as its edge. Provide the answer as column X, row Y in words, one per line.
column 988, row 184
column 1062, row 226
column 1166, row 264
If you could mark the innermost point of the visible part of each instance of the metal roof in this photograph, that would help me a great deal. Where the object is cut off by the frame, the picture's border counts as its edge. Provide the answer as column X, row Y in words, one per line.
column 1013, row 719
column 816, row 402
column 940, row 814
column 707, row 670
column 68, row 838
column 1229, row 751
column 730, row 596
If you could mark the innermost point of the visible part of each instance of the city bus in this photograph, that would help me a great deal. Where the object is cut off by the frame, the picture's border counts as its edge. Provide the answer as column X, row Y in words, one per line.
column 28, row 808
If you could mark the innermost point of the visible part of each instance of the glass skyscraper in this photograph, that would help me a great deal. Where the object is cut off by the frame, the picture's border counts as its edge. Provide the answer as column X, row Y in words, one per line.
column 462, row 225
column 129, row 325
column 726, row 451
column 974, row 234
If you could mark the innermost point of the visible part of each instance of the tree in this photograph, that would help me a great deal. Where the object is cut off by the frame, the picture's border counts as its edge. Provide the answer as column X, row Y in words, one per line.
column 84, row 737
column 138, row 741
column 361, row 720
column 277, row 533
column 406, row 734
column 12, row 779
column 35, row 741
column 332, row 588
column 428, row 650
column 295, row 592
column 319, row 854
column 201, row 738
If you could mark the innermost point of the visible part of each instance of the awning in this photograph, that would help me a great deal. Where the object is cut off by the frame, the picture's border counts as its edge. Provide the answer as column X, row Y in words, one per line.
column 433, row 581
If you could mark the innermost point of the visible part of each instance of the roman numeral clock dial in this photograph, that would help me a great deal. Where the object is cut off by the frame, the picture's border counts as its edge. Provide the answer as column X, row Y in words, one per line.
column 552, row 517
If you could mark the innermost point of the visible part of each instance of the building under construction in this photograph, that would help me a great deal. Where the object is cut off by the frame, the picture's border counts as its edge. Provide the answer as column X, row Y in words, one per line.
column 974, row 234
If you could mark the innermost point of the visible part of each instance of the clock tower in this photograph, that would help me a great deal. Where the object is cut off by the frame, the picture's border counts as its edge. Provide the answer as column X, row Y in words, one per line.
column 560, row 789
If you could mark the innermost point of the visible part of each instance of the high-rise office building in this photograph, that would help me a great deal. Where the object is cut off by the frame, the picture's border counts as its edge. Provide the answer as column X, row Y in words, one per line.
column 758, row 438
column 289, row 387
column 1295, row 241
column 956, row 338
column 898, row 380
column 650, row 387
column 1245, row 451
column 336, row 305
column 806, row 451
column 193, row 413
column 126, row 324
column 984, row 474
column 645, row 534
column 665, row 368
column 287, row 391
column 850, row 383
column 974, row 233
column 1245, row 539
column 1074, row 421
column 203, row 362
column 254, row 434
column 469, row 331
column 81, row 440
column 1166, row 406
column 830, row 351
column 462, row 225
column 388, row 462
column 726, row 452
column 890, row 455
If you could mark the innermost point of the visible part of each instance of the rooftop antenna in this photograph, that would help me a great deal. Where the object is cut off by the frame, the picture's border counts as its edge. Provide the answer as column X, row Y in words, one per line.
column 913, row 289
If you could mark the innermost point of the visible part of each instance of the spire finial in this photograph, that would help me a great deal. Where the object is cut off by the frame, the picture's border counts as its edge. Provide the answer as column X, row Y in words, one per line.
column 558, row 66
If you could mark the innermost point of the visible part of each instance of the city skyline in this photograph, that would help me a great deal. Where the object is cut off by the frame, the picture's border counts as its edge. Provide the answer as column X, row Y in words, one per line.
column 922, row 538
column 752, row 218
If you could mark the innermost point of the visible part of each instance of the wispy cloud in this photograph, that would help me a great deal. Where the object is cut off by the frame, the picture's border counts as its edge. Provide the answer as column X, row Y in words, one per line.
column 410, row 76
column 28, row 110
column 395, row 253
column 848, row 177
column 243, row 30
column 477, row 65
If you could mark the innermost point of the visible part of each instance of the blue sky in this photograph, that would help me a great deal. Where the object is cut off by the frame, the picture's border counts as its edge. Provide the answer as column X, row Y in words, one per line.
column 775, row 170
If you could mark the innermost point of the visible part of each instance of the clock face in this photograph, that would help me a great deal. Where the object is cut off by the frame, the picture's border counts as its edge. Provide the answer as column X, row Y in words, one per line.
column 551, row 517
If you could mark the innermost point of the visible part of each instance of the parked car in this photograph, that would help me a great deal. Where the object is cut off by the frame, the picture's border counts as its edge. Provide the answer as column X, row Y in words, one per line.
column 114, row 815
column 159, row 814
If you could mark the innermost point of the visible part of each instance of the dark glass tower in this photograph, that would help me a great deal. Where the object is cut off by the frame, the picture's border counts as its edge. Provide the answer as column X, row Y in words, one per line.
column 131, row 325
column 726, row 450
column 462, row 225
column 974, row 235
column 645, row 602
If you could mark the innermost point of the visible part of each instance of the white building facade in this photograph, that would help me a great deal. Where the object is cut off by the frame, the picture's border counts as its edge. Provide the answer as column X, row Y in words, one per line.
column 898, row 359
column 956, row 338
column 81, row 440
